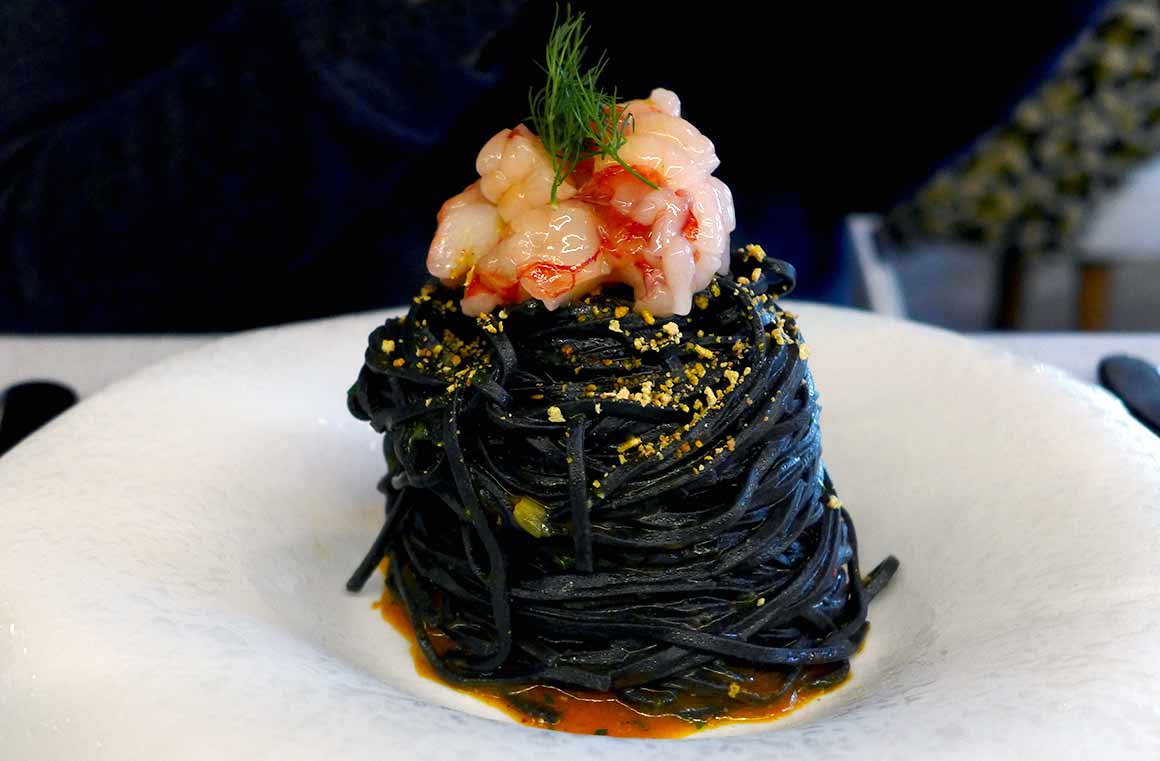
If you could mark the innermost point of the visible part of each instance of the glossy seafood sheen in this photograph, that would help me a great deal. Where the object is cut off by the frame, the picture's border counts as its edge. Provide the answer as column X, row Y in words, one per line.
column 505, row 242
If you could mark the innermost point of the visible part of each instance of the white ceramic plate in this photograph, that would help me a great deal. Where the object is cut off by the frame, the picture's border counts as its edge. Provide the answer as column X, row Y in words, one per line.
column 173, row 552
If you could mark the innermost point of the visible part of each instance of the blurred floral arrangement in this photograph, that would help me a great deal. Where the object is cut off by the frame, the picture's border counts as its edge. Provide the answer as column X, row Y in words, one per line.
column 1028, row 186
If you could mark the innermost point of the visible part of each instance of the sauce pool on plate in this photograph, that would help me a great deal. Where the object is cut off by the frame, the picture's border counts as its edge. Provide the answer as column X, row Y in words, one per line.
column 601, row 713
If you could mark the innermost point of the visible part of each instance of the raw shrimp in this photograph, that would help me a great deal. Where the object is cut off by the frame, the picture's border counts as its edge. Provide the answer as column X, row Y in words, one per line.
column 505, row 242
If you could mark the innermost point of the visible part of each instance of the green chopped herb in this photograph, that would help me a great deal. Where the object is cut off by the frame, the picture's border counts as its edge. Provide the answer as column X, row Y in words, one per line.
column 419, row 431
column 531, row 517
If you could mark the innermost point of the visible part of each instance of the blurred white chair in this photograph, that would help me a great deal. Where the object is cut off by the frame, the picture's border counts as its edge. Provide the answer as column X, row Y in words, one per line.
column 946, row 283
column 955, row 284
column 1124, row 230
column 880, row 283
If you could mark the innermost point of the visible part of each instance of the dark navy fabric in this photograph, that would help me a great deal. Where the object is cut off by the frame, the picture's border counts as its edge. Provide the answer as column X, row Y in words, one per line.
column 220, row 165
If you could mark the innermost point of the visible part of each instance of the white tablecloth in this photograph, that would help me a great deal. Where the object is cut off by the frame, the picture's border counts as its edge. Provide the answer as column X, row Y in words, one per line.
column 90, row 363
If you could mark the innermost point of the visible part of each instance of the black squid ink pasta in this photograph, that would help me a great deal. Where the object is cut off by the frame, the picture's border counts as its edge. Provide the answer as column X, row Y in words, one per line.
column 597, row 498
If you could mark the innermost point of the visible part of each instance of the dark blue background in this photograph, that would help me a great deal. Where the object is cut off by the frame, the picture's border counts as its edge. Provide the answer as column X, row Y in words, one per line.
column 229, row 165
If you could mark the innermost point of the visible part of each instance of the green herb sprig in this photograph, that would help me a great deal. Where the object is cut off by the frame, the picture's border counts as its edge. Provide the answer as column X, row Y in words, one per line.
column 574, row 118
